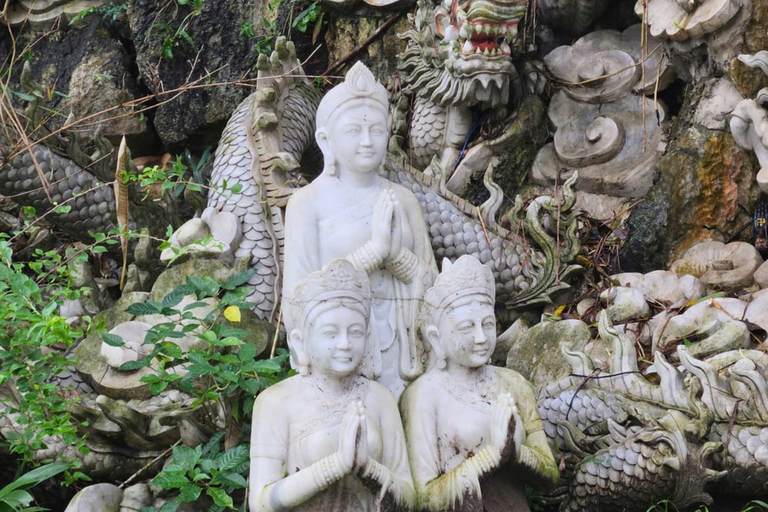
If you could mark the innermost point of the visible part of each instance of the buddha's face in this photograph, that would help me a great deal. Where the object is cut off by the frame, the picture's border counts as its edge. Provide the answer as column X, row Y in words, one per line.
column 357, row 137
column 335, row 343
column 467, row 332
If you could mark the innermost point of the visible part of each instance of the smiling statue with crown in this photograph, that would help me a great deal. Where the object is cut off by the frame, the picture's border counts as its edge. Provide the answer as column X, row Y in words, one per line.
column 473, row 431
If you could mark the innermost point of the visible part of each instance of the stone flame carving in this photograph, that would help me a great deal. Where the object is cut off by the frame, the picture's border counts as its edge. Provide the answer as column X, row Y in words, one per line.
column 612, row 136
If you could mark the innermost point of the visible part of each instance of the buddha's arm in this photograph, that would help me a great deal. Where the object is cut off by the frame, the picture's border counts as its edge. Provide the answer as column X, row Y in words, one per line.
column 271, row 493
column 536, row 457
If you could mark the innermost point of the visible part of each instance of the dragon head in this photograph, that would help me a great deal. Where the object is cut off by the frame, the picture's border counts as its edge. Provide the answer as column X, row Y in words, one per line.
column 461, row 51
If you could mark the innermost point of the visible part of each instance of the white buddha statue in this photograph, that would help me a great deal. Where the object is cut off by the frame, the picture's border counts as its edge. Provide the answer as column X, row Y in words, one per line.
column 351, row 211
column 329, row 438
column 473, row 430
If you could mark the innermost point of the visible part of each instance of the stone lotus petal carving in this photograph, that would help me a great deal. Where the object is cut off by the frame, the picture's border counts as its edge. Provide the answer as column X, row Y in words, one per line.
column 609, row 134
column 718, row 265
column 686, row 19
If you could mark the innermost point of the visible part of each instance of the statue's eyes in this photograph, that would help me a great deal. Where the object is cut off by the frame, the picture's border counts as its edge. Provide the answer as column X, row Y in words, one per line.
column 329, row 333
column 489, row 325
column 357, row 333
column 378, row 131
column 466, row 326
column 352, row 130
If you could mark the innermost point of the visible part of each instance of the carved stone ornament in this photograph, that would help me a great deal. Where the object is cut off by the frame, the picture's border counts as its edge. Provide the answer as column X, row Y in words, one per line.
column 329, row 438
column 605, row 130
column 42, row 14
column 686, row 19
column 473, row 430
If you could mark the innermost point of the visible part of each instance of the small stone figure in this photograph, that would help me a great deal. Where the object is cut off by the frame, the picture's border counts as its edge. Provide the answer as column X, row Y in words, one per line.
column 329, row 439
column 351, row 211
column 473, row 431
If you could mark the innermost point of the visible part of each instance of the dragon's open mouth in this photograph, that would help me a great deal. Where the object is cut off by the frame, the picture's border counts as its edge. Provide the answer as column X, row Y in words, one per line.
column 483, row 38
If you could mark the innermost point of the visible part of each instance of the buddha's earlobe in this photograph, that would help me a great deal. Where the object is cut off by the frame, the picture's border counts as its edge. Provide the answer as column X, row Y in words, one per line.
column 433, row 336
column 329, row 166
column 297, row 347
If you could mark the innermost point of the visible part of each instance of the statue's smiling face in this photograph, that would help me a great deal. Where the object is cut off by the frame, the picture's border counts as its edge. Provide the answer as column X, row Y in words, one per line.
column 468, row 332
column 336, row 341
column 358, row 136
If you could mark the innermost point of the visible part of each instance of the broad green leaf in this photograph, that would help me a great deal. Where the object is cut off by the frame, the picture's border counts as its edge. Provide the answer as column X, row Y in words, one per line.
column 247, row 352
column 35, row 476
column 220, row 497
column 113, row 340
column 170, row 480
column 230, row 459
column 144, row 308
column 189, row 493
column 233, row 480
column 239, row 279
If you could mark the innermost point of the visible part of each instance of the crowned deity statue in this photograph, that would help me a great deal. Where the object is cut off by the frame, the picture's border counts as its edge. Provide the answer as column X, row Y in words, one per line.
column 474, row 434
column 329, row 439
column 353, row 211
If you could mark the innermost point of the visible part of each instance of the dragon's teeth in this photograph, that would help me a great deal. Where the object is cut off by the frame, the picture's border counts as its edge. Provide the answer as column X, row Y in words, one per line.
column 505, row 48
column 451, row 33
column 465, row 32
column 468, row 47
column 488, row 29
column 478, row 52
column 487, row 53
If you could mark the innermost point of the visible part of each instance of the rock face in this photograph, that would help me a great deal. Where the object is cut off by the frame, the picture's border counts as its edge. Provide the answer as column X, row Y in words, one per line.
column 167, row 61
column 705, row 190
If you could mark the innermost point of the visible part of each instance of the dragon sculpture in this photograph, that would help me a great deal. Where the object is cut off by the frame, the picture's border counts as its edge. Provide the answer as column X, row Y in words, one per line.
column 626, row 440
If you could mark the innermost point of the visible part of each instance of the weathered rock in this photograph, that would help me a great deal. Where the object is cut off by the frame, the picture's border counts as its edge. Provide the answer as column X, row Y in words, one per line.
column 102, row 82
column 97, row 498
column 720, row 98
column 166, row 62
column 537, row 353
column 704, row 190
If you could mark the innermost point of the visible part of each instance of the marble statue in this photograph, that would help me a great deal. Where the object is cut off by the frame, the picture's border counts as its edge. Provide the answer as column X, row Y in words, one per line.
column 350, row 211
column 329, row 438
column 473, row 431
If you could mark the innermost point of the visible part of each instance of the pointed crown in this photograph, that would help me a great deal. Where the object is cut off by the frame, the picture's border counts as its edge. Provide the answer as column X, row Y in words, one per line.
column 466, row 277
column 339, row 281
column 359, row 83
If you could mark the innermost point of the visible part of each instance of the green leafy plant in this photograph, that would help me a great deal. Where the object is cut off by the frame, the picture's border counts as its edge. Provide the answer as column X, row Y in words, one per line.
column 205, row 469
column 246, row 29
column 33, row 338
column 14, row 496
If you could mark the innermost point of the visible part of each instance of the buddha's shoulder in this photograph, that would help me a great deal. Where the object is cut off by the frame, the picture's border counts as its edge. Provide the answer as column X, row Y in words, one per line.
column 380, row 395
column 285, row 391
column 426, row 387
